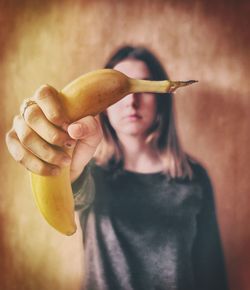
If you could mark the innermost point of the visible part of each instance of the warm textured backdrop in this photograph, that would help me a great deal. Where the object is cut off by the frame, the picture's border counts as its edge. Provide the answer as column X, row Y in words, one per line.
column 55, row 41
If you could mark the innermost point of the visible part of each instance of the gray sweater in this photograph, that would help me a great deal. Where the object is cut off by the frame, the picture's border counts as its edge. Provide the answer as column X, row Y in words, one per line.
column 148, row 231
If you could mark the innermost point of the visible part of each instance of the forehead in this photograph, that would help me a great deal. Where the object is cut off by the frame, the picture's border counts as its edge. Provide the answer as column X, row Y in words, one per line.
column 133, row 68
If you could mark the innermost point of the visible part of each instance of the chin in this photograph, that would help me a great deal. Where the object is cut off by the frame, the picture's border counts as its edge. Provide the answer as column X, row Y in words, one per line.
column 134, row 131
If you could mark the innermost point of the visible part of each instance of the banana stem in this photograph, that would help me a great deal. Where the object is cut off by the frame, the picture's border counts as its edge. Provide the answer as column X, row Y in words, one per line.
column 167, row 86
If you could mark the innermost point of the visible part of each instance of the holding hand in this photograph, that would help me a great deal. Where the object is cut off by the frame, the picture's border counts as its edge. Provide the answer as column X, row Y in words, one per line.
column 42, row 133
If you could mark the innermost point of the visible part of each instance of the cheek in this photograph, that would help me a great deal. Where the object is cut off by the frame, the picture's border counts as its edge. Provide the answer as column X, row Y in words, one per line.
column 113, row 113
column 115, row 108
column 150, row 105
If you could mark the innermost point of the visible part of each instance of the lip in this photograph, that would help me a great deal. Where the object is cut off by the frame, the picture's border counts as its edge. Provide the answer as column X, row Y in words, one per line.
column 133, row 117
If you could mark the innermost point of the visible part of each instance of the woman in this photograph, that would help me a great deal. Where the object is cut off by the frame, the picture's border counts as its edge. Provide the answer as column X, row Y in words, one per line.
column 146, row 210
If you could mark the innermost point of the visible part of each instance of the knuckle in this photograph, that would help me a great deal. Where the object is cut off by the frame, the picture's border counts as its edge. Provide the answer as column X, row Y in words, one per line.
column 16, row 120
column 20, row 158
column 8, row 137
column 54, row 117
column 17, row 152
column 44, row 92
column 26, row 138
column 18, row 123
column 50, row 155
column 45, row 147
column 32, row 113
column 38, row 167
column 52, row 158
column 46, row 97
column 55, row 139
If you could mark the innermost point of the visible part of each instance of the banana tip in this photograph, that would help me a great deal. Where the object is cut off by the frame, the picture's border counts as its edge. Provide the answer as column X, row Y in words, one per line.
column 177, row 84
column 191, row 82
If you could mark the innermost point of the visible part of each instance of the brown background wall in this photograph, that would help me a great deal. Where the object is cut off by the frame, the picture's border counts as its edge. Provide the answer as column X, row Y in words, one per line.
column 55, row 41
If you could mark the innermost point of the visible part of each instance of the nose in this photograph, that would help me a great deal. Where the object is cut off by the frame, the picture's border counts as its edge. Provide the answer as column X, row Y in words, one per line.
column 132, row 100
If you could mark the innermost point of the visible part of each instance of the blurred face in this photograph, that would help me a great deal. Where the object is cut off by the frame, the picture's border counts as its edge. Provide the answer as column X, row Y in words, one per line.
column 134, row 114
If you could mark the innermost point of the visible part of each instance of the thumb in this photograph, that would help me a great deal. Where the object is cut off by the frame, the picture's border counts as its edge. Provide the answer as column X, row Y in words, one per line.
column 78, row 129
column 89, row 134
column 87, row 130
column 83, row 128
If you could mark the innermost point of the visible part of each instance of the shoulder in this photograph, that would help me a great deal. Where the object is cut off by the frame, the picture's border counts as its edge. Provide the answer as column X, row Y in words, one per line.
column 201, row 177
column 199, row 170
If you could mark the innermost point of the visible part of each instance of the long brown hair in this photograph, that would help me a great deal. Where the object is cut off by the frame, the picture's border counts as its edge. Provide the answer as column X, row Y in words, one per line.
column 162, row 135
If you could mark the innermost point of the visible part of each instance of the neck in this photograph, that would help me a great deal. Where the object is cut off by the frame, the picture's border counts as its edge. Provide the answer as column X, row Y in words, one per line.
column 139, row 156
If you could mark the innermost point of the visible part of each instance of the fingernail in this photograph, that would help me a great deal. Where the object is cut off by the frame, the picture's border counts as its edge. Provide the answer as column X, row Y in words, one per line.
column 70, row 143
column 78, row 129
column 55, row 171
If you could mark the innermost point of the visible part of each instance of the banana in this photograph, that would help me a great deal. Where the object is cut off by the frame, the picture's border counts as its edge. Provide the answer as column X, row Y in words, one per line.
column 89, row 94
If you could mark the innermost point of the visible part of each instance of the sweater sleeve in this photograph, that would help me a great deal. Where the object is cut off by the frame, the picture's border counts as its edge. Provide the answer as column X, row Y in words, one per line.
column 84, row 189
column 208, row 259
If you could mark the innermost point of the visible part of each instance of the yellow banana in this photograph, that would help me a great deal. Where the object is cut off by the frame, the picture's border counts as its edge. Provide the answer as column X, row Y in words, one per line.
column 89, row 94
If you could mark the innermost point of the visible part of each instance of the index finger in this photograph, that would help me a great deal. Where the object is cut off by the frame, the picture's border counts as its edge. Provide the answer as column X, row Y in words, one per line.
column 47, row 98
